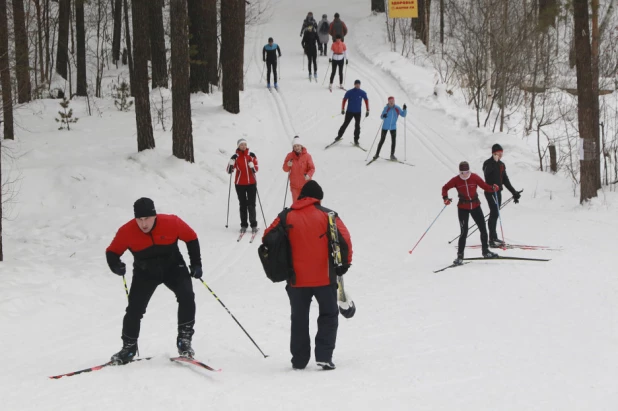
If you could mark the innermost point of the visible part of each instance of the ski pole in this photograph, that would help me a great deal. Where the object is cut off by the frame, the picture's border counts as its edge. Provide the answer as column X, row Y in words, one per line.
column 405, row 138
column 326, row 74
column 374, row 141
column 229, row 193
column 303, row 65
column 125, row 286
column 263, row 67
column 258, row 196
column 427, row 229
column 499, row 216
column 345, row 74
column 286, row 189
column 279, row 68
column 232, row 315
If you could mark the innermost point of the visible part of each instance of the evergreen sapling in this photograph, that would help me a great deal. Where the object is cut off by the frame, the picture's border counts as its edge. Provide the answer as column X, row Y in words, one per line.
column 122, row 94
column 66, row 117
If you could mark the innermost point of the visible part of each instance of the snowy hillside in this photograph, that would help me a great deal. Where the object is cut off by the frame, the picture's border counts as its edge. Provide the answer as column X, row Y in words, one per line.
column 491, row 335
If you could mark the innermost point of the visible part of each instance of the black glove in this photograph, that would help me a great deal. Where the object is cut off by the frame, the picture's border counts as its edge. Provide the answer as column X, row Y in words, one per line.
column 516, row 197
column 405, row 107
column 264, row 60
column 196, row 271
column 230, row 169
column 120, row 269
column 234, row 157
column 384, row 115
column 342, row 269
column 330, row 60
column 347, row 61
column 367, row 114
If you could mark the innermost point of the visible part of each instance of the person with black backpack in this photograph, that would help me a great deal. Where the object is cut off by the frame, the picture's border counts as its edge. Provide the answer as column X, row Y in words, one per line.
column 313, row 272
column 322, row 29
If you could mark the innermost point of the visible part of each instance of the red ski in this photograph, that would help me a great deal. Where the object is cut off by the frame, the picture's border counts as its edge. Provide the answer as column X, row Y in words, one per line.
column 188, row 360
column 97, row 368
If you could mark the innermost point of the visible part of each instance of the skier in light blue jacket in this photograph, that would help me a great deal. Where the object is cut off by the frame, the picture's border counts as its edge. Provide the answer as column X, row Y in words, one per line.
column 389, row 116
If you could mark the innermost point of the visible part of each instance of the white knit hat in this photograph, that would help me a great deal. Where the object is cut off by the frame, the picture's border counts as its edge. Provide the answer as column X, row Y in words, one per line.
column 240, row 141
column 297, row 140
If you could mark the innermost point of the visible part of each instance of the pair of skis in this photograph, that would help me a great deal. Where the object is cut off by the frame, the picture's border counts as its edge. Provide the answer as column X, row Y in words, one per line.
column 467, row 260
column 340, row 88
column 392, row 161
column 243, row 232
column 519, row 247
column 336, row 141
column 185, row 360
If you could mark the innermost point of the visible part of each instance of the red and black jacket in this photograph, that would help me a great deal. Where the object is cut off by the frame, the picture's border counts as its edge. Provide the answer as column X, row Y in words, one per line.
column 307, row 223
column 466, row 190
column 244, row 175
column 156, row 252
column 495, row 173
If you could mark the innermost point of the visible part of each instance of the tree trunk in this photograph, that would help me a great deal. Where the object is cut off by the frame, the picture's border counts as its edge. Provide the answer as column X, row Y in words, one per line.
column 242, row 17
column 127, row 37
column 197, row 45
column 157, row 45
column 231, row 44
column 5, row 75
column 211, row 42
column 117, row 30
column 422, row 22
column 62, row 55
column 182, row 134
column 82, row 85
column 595, row 88
column 548, row 11
column 22, row 63
column 441, row 21
column 378, row 6
column 39, row 24
column 585, row 98
column 47, row 48
column 145, row 139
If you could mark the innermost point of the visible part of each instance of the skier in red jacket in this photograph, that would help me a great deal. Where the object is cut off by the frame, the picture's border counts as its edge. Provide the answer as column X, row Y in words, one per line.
column 299, row 165
column 315, row 275
column 153, row 240
column 469, row 204
column 246, row 165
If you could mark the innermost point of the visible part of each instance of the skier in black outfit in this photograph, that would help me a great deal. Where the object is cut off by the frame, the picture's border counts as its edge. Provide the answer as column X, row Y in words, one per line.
column 269, row 55
column 310, row 45
column 309, row 21
column 495, row 173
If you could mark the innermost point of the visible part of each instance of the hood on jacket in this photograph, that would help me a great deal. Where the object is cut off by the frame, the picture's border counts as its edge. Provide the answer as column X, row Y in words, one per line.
column 304, row 203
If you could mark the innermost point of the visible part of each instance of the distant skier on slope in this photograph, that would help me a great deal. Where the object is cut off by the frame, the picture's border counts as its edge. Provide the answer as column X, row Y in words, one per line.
column 310, row 46
column 246, row 165
column 315, row 276
column 338, row 53
column 389, row 117
column 354, row 97
column 299, row 165
column 323, row 27
column 469, row 204
column 153, row 240
column 495, row 173
column 309, row 21
column 269, row 55
column 338, row 28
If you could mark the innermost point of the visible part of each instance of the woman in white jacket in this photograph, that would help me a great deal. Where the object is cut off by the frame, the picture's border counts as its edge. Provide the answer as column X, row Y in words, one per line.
column 322, row 29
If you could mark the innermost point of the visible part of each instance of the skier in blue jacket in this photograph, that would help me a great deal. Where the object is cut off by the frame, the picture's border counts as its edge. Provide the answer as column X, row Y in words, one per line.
column 354, row 97
column 389, row 116
column 269, row 55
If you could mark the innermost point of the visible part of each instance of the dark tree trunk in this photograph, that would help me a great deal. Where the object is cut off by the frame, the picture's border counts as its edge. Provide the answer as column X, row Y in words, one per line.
column 242, row 17
column 80, row 32
column 230, row 54
column 127, row 37
column 585, row 99
column 197, row 45
column 182, row 132
column 62, row 56
column 378, row 6
column 157, row 45
column 48, row 50
column 117, row 30
column 595, row 88
column 421, row 25
column 22, row 63
column 39, row 24
column 141, row 92
column 441, row 21
column 5, row 75
column 211, row 42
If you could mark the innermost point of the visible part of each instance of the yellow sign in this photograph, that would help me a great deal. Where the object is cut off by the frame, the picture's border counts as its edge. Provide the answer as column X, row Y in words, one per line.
column 403, row 9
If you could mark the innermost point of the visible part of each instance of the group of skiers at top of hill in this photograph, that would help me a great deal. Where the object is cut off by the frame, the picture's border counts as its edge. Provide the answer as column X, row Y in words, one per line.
column 466, row 183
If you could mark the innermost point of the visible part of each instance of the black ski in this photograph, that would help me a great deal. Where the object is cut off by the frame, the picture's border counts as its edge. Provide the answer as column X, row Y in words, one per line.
column 371, row 161
column 96, row 368
column 359, row 146
column 332, row 144
column 450, row 266
column 187, row 360
column 506, row 258
column 519, row 247
column 392, row 161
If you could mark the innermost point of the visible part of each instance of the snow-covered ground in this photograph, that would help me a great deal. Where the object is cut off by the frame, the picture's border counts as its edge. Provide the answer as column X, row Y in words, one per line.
column 493, row 335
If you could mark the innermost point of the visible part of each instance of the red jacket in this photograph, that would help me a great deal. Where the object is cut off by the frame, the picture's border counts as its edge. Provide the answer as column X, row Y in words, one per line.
column 301, row 164
column 244, row 175
column 466, row 190
column 308, row 235
column 157, row 251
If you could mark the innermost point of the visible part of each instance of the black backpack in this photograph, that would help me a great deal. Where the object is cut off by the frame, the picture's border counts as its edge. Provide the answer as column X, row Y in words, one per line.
column 276, row 252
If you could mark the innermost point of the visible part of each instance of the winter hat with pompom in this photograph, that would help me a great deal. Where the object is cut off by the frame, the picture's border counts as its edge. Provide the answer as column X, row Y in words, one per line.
column 297, row 140
column 240, row 141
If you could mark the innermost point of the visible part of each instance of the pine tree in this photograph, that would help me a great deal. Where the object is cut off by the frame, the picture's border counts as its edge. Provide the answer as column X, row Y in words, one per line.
column 123, row 92
column 66, row 117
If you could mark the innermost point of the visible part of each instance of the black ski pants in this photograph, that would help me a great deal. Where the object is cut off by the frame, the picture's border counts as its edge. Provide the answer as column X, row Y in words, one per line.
column 493, row 213
column 177, row 279
column 312, row 56
column 323, row 48
column 479, row 219
column 271, row 65
column 328, row 322
column 348, row 118
column 383, row 138
column 335, row 64
column 246, row 198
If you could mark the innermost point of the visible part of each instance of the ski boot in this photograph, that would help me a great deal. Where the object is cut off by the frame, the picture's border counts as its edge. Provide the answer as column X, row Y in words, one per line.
column 326, row 365
column 127, row 353
column 310, row 76
column 183, row 341
column 338, row 138
column 330, row 86
column 489, row 254
column 315, row 76
column 458, row 260
column 376, row 156
column 243, row 230
column 356, row 142
column 254, row 230
column 268, row 86
column 276, row 86
column 393, row 158
column 496, row 243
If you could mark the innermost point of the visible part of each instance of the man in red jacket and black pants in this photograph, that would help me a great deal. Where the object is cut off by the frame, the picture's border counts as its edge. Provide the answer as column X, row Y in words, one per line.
column 469, row 204
column 153, row 241
column 316, row 276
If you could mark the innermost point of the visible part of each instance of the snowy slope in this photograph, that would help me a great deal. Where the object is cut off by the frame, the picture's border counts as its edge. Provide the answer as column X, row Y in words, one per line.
column 488, row 336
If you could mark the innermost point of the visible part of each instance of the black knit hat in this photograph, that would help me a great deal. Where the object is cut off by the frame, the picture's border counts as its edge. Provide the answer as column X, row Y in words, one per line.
column 311, row 189
column 144, row 207
column 496, row 147
column 464, row 166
